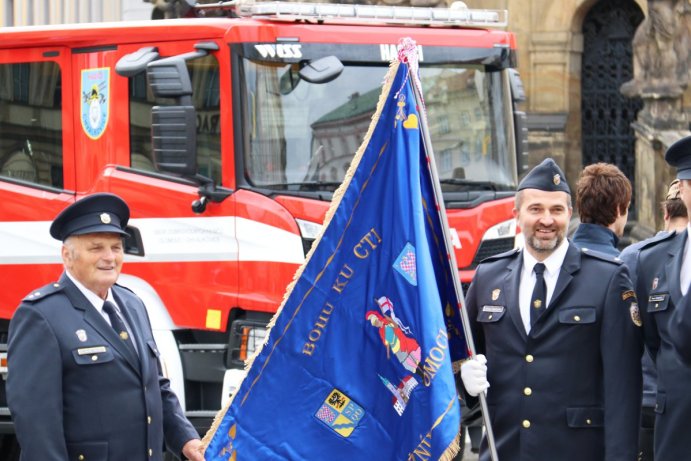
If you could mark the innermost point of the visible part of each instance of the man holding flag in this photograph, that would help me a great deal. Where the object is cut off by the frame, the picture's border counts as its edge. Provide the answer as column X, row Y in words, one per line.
column 358, row 360
column 558, row 335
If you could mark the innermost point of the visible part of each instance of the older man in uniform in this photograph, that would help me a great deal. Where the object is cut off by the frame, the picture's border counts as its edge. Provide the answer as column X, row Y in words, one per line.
column 559, row 332
column 663, row 277
column 85, row 380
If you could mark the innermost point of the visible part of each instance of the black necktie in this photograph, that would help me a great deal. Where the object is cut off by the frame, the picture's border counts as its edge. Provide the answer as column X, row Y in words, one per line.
column 538, row 300
column 118, row 325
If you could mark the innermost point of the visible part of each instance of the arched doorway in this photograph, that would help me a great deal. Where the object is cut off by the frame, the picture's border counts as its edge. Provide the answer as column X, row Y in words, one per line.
column 606, row 115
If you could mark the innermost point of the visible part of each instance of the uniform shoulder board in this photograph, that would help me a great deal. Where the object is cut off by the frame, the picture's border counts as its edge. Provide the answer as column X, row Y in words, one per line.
column 503, row 255
column 602, row 256
column 43, row 292
column 657, row 238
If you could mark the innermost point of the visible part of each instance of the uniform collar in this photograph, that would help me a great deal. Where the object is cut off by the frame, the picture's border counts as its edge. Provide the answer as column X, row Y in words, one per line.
column 552, row 263
column 92, row 297
column 598, row 236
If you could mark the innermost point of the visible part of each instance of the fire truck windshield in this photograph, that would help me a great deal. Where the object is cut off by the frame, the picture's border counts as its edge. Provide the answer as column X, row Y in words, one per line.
column 301, row 136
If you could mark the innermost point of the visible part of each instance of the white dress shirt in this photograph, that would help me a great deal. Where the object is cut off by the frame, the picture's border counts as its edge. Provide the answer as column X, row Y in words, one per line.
column 527, row 284
column 97, row 302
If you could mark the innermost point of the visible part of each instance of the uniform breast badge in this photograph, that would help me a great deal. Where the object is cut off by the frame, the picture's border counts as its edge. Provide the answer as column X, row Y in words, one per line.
column 81, row 335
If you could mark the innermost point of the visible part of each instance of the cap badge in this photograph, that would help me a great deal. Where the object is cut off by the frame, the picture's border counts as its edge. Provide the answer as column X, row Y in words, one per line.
column 105, row 218
column 556, row 179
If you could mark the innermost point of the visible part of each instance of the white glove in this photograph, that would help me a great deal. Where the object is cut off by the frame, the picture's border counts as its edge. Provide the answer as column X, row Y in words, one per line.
column 474, row 375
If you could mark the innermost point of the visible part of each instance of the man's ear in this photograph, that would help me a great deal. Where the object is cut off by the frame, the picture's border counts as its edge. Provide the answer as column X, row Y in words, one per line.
column 65, row 253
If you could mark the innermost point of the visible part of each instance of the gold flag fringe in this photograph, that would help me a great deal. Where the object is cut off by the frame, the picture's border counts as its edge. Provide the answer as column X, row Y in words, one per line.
column 335, row 202
column 452, row 450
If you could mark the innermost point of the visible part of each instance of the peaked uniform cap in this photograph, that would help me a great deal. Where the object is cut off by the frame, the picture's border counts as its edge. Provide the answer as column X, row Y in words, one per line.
column 96, row 213
column 678, row 155
column 546, row 176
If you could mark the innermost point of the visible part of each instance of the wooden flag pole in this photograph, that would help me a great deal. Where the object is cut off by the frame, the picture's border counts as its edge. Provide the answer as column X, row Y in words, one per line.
column 449, row 249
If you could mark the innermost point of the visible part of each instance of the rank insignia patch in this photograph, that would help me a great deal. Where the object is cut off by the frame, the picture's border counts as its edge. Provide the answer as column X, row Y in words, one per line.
column 628, row 294
column 339, row 413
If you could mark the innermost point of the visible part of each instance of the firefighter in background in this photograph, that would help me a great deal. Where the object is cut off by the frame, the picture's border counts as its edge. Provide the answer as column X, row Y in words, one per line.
column 86, row 383
column 675, row 217
column 663, row 278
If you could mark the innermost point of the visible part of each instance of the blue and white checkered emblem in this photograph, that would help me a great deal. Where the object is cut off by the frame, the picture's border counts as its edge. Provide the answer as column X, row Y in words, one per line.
column 405, row 264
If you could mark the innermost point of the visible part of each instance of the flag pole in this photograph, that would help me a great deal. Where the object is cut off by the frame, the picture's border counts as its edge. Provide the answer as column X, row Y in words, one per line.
column 449, row 249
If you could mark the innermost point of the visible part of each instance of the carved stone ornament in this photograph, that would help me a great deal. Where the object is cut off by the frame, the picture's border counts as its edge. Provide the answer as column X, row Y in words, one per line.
column 661, row 51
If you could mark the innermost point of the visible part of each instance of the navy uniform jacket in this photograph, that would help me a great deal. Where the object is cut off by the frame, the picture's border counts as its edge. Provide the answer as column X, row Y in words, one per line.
column 630, row 257
column 571, row 389
column 659, row 294
column 74, row 390
column 596, row 237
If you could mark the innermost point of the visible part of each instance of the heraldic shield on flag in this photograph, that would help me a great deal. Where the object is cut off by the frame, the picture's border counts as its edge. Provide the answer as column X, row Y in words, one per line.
column 358, row 360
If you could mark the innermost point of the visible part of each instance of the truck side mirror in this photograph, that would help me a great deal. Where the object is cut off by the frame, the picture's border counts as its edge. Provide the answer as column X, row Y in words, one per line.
column 521, row 127
column 321, row 70
column 133, row 63
column 174, row 139
column 168, row 78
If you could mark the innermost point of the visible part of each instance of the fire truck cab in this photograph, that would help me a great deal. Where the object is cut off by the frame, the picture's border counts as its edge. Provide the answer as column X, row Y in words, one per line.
column 227, row 136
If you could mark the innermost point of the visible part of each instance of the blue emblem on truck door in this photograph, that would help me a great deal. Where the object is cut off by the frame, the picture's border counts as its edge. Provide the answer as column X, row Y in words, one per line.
column 95, row 95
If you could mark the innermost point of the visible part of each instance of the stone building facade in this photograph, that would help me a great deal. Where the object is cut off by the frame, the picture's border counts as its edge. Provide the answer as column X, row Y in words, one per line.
column 605, row 80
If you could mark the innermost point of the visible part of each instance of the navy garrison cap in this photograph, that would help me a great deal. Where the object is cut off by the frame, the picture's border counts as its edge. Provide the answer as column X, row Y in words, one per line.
column 679, row 156
column 546, row 176
column 92, row 214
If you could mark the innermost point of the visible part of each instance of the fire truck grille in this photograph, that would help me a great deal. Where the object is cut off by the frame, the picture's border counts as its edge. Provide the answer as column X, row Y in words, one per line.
column 490, row 248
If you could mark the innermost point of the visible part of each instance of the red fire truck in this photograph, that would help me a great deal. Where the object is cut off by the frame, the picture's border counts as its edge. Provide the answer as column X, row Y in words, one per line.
column 227, row 136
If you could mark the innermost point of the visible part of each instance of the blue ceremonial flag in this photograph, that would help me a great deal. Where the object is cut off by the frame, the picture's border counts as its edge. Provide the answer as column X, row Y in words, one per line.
column 358, row 362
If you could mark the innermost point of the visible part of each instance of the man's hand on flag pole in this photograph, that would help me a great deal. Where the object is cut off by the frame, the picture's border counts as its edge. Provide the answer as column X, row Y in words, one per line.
column 193, row 450
column 474, row 375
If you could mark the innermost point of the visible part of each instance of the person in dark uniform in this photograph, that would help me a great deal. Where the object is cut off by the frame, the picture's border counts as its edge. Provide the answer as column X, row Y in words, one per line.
column 675, row 217
column 558, row 338
column 663, row 277
column 85, row 382
column 603, row 196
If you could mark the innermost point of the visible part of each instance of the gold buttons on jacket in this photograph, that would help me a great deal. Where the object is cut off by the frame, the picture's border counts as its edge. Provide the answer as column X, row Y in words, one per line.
column 529, row 358
column 588, row 422
column 151, row 452
column 81, row 457
column 526, row 423
column 527, row 391
column 577, row 318
column 148, row 419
